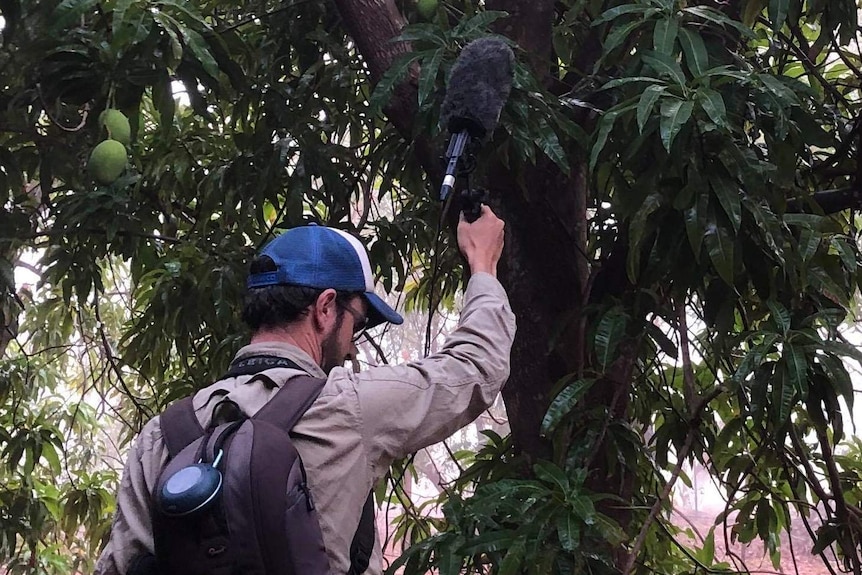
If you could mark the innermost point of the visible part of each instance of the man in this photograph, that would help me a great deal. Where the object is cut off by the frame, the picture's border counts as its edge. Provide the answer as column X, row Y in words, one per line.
column 310, row 295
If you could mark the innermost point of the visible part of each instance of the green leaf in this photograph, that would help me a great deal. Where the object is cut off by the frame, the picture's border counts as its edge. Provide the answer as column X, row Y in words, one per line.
column 826, row 535
column 707, row 553
column 647, row 102
column 552, row 475
column 50, row 455
column 727, row 193
column 489, row 542
column 780, row 315
column 754, row 358
column 778, row 13
column 694, row 49
column 201, row 51
column 118, row 17
column 619, row 35
column 569, row 532
column 797, row 369
column 810, row 221
column 606, row 124
column 618, row 11
column 713, row 104
column 768, row 224
column 809, row 243
column 610, row 530
column 188, row 13
column 728, row 72
column 846, row 253
column 712, row 15
column 451, row 560
column 396, row 72
column 68, row 11
column 585, row 509
column 630, row 80
column 782, row 396
column 422, row 33
column 478, row 23
column 664, row 342
column 666, row 65
column 838, row 375
column 428, row 76
column 674, row 115
column 549, row 143
column 753, row 8
column 664, row 35
column 763, row 518
column 563, row 404
column 609, row 333
column 163, row 99
column 783, row 94
column 719, row 246
column 511, row 564
column 637, row 230
column 823, row 281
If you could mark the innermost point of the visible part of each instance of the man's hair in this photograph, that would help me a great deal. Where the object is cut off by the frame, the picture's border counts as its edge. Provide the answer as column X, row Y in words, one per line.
column 278, row 305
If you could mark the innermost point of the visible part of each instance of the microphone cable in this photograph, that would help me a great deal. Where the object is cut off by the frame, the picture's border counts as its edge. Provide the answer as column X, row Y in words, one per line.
column 436, row 268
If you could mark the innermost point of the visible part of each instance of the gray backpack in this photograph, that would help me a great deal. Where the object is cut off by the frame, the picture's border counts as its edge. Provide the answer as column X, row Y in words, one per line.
column 234, row 499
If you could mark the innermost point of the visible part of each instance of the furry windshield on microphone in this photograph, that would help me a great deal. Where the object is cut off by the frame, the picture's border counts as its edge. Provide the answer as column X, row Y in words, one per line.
column 478, row 87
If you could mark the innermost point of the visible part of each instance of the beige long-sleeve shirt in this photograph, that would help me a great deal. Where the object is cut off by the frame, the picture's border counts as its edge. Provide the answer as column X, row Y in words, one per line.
column 358, row 426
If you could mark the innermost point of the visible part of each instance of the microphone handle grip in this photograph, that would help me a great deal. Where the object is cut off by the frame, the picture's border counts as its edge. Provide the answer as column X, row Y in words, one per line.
column 471, row 203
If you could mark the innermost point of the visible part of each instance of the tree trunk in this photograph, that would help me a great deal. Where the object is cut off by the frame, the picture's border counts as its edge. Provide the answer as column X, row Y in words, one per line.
column 546, row 231
column 373, row 24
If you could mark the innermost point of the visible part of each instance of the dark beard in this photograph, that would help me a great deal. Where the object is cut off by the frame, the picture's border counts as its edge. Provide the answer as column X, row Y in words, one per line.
column 329, row 355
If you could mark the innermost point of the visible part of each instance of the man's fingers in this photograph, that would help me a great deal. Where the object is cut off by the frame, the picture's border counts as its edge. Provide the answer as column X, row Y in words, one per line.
column 485, row 210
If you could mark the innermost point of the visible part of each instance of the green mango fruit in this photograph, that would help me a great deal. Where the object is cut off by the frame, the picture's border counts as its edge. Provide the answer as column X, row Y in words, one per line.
column 107, row 161
column 427, row 8
column 117, row 125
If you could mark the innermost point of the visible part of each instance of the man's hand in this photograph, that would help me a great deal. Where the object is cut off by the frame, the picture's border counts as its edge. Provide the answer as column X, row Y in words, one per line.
column 482, row 241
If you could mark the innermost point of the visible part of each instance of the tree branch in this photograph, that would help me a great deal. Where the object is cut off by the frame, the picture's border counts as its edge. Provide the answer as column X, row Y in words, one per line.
column 373, row 24
column 680, row 461
column 848, row 542
column 689, row 387
column 668, row 487
column 830, row 201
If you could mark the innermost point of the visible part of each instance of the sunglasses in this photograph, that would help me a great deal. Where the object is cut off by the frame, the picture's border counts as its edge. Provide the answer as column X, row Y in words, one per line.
column 360, row 322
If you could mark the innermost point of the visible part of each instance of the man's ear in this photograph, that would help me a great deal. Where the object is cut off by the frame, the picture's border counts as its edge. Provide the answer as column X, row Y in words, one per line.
column 324, row 310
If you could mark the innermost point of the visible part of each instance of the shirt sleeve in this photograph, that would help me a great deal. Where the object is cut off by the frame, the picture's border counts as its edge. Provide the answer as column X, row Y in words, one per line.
column 131, row 532
column 407, row 407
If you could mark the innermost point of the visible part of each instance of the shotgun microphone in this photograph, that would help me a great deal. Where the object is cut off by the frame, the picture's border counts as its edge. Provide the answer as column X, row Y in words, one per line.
column 478, row 88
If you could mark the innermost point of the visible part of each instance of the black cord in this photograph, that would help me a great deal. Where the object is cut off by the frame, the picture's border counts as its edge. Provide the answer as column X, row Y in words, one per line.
column 467, row 163
column 435, row 271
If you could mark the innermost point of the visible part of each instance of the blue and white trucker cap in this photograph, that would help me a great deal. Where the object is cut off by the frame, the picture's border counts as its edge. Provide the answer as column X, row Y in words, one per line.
column 320, row 257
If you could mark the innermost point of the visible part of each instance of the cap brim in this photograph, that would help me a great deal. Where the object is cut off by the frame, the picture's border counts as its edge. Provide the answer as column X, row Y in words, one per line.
column 379, row 312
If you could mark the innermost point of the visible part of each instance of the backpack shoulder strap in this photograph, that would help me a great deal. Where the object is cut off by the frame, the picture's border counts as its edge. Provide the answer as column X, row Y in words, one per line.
column 286, row 407
column 180, row 425
column 362, row 545
column 291, row 401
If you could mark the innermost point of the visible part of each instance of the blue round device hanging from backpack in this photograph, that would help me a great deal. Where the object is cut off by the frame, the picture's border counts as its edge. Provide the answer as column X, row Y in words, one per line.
column 191, row 488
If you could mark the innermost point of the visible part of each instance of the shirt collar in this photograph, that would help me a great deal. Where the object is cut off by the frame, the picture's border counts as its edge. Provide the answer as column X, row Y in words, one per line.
column 282, row 349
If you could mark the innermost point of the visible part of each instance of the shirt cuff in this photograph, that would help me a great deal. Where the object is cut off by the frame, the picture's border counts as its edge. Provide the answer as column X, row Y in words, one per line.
column 484, row 283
